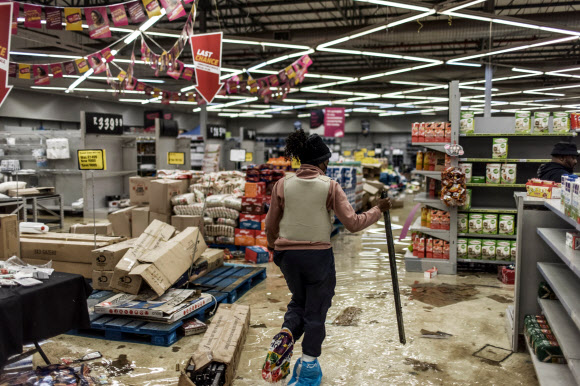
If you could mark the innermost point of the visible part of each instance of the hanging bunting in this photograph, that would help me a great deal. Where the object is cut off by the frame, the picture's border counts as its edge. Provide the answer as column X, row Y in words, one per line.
column 175, row 70
column 32, row 15
column 152, row 8
column 53, row 18
column 12, row 70
column 173, row 8
column 15, row 12
column 98, row 22
column 73, row 19
column 69, row 68
column 82, row 65
column 96, row 63
column 187, row 73
column 23, row 71
column 119, row 15
column 56, row 69
column 107, row 55
column 40, row 72
column 136, row 12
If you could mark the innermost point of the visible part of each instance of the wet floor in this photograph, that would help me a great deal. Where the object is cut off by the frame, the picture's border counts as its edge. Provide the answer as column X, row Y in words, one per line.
column 365, row 350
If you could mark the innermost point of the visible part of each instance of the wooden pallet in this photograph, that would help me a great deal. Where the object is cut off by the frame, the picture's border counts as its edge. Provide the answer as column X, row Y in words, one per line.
column 234, row 280
column 123, row 329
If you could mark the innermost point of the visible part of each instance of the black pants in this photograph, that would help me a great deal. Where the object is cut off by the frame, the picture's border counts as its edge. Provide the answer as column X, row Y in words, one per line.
column 311, row 277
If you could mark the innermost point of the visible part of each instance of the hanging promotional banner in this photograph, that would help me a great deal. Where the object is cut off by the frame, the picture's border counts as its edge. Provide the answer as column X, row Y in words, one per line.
column 73, row 19
column 207, row 57
column 5, row 32
column 334, row 122
column 40, row 72
column 98, row 22
column 53, row 18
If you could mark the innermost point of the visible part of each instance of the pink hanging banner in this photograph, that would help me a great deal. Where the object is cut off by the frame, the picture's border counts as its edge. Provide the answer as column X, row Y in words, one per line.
column 53, row 18
column 107, row 55
column 98, row 22
column 119, row 15
column 334, row 122
column 175, row 70
column 173, row 8
column 97, row 63
column 69, row 68
column 32, row 15
column 56, row 69
column 136, row 12
column 15, row 12
column 40, row 72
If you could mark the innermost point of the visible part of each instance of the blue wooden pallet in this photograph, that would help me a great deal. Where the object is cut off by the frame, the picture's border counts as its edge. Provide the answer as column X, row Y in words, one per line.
column 234, row 280
column 231, row 247
column 123, row 329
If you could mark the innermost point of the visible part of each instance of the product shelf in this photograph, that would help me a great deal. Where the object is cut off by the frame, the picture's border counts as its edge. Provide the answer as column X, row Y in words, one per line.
column 487, row 236
column 483, row 185
column 430, row 201
column 483, row 209
column 437, row 146
column 438, row 233
column 501, row 160
column 428, row 173
column 556, row 206
column 569, row 134
column 566, row 286
column 496, row 262
column 551, row 374
column 556, row 239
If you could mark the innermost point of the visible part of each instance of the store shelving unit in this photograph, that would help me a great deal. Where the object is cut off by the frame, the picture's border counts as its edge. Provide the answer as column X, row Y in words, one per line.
column 430, row 174
column 438, row 233
column 145, row 155
column 487, row 236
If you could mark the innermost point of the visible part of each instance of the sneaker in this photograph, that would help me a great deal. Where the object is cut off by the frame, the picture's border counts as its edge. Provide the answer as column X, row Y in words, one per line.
column 277, row 364
column 310, row 374
column 295, row 373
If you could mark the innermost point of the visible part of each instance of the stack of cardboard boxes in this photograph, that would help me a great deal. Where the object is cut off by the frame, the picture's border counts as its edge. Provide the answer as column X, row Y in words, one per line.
column 252, row 217
column 104, row 261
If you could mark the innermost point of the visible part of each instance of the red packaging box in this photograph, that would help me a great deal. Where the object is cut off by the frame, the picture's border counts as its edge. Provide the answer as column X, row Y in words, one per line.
column 245, row 237
column 438, row 249
column 507, row 275
column 421, row 247
column 263, row 221
column 250, row 221
column 253, row 205
column 446, row 250
column 255, row 189
column 429, row 248
column 415, row 132
column 261, row 239
column 257, row 255
column 421, row 132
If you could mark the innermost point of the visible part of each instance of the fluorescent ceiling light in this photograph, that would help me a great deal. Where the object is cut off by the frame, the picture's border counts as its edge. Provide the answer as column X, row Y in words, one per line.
column 303, row 115
column 48, row 88
column 132, row 100
column 237, row 102
column 79, row 80
column 400, row 71
column 465, row 5
column 464, row 64
column 398, row 5
column 45, row 55
column 411, row 18
column 466, row 16
column 268, row 44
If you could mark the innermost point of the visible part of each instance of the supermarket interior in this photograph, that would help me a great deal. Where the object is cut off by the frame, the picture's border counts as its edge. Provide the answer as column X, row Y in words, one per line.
column 340, row 192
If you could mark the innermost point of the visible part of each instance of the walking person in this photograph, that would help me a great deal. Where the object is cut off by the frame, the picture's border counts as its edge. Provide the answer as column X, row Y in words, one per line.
column 298, row 228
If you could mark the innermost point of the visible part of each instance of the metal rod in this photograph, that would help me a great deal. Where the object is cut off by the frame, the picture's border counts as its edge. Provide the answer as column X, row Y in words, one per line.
column 394, row 276
column 42, row 354
column 94, row 216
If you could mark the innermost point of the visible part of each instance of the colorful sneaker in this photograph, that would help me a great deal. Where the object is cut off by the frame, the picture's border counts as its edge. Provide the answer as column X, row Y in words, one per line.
column 295, row 373
column 310, row 374
column 277, row 364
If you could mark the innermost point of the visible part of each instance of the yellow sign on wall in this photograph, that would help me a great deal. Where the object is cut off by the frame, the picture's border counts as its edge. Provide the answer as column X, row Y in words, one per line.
column 347, row 153
column 249, row 157
column 371, row 153
column 93, row 159
column 176, row 158
column 359, row 155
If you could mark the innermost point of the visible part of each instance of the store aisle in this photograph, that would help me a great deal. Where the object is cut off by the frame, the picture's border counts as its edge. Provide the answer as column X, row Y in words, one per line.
column 471, row 307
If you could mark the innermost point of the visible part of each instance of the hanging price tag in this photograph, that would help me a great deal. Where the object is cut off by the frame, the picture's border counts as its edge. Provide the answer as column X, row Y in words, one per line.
column 176, row 158
column 92, row 159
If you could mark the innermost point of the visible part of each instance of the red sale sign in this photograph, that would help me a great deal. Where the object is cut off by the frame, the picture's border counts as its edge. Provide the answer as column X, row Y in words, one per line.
column 334, row 122
column 207, row 58
column 5, row 30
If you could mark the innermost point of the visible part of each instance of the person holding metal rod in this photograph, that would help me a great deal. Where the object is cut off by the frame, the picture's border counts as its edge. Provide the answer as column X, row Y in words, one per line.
column 298, row 228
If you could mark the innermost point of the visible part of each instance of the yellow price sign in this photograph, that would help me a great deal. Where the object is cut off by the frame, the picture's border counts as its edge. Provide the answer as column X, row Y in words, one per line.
column 174, row 158
column 358, row 155
column 249, row 157
column 371, row 153
column 347, row 153
column 93, row 159
column 364, row 149
column 295, row 163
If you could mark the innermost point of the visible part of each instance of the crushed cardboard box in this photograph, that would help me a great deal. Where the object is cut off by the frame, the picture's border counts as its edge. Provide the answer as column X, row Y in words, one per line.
column 166, row 218
column 181, row 222
column 105, row 229
column 139, row 221
column 106, row 258
column 85, row 270
column 121, row 221
column 9, row 239
column 222, row 342
column 70, row 251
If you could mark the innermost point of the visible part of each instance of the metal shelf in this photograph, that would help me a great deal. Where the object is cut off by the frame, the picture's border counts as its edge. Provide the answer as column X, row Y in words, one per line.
column 437, row 146
column 104, row 174
column 569, row 134
column 479, row 185
column 436, row 175
column 556, row 206
column 499, row 160
column 430, row 201
column 566, row 286
column 496, row 262
column 438, row 233
column 551, row 374
column 556, row 239
column 482, row 209
column 487, row 236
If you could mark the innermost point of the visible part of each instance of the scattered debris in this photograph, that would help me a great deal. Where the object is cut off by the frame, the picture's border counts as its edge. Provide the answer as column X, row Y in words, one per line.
column 373, row 322
column 377, row 295
column 283, row 309
column 120, row 366
column 176, row 348
column 271, row 300
column 421, row 366
column 435, row 335
column 440, row 295
column 492, row 355
column 348, row 317
column 261, row 325
column 501, row 299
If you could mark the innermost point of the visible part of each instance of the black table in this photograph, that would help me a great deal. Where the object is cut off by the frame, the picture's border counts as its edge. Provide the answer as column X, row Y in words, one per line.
column 31, row 314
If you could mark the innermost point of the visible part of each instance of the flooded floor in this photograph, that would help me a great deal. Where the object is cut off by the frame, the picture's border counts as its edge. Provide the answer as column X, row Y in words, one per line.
column 467, row 313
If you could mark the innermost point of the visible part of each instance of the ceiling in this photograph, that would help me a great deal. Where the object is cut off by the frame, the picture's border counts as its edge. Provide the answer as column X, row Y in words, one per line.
column 373, row 57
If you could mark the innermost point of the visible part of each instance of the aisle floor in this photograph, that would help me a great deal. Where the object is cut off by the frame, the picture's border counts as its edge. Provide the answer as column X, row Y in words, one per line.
column 470, row 306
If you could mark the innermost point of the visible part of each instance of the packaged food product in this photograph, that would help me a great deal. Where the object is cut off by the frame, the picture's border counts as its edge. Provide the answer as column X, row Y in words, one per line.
column 506, row 224
column 541, row 122
column 547, row 189
column 488, row 249
column 467, row 168
column 499, row 148
column 437, row 249
column 419, row 165
column 428, row 218
column 467, row 205
column 490, row 224
column 561, row 122
column 429, row 248
column 426, row 160
column 462, row 223
column 424, row 217
column 453, row 192
column 503, row 250
column 467, row 122
column 429, row 132
column 245, row 237
column 421, row 247
column 183, row 199
column 439, row 132
column 474, row 248
column 523, row 122
column 462, row 248
column 513, row 249
column 493, row 173
column 478, row 179
column 546, row 292
column 575, row 200
column 446, row 250
column 415, row 132
column 433, row 216
column 508, row 173
column 448, row 132
column 421, row 132
column 445, row 221
column 573, row 240
column 475, row 223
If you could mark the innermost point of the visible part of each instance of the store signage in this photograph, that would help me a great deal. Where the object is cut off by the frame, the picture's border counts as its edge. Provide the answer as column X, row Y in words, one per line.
column 216, row 132
column 5, row 32
column 94, row 159
column 207, row 58
column 316, row 118
column 249, row 135
column 249, row 157
column 371, row 153
column 175, row 158
column 98, row 123
column 334, row 122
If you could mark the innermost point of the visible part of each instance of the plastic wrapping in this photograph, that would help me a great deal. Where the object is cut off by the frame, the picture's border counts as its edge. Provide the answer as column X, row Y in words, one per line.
column 453, row 188
column 183, row 199
column 223, row 212
column 219, row 230
column 188, row 210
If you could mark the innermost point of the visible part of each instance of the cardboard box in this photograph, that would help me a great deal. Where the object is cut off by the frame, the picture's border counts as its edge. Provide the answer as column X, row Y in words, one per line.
column 86, row 270
column 163, row 266
column 139, row 190
column 245, row 237
column 261, row 239
column 9, row 239
column 105, row 240
column 250, row 221
column 222, row 342
column 209, row 260
column 255, row 189
column 105, row 229
column 139, row 221
column 156, row 234
column 182, row 222
column 253, row 205
column 58, row 250
column 370, row 189
column 102, row 280
column 257, row 255
column 573, row 240
column 160, row 193
column 166, row 218
column 121, row 221
column 106, row 258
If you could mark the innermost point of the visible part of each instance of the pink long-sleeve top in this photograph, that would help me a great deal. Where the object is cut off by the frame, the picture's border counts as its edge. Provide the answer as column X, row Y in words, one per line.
column 336, row 201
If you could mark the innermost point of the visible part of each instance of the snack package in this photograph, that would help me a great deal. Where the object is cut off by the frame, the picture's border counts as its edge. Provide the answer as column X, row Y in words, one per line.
column 467, row 205
column 453, row 191
column 437, row 249
column 446, row 250
column 523, row 122
column 421, row 246
column 429, row 248
column 424, row 212
column 493, row 173
column 475, row 223
column 462, row 248
column 467, row 122
column 488, row 249
column 561, row 122
column 506, row 224
column 421, row 132
column 508, row 173
column 490, row 224
column 415, row 132
column 499, row 148
column 467, row 168
column 513, row 249
column 503, row 250
column 474, row 249
column 541, row 120
column 419, row 165
column 462, row 223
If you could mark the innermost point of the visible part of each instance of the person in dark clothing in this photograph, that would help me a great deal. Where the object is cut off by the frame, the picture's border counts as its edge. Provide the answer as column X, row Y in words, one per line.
column 564, row 159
